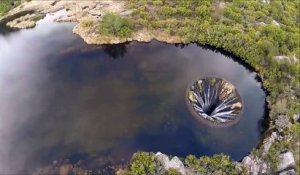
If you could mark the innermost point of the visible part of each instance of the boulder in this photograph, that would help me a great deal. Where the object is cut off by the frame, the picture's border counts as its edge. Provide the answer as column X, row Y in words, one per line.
column 296, row 118
column 269, row 141
column 286, row 161
column 65, row 169
column 174, row 163
column 126, row 13
column 265, row 1
column 288, row 172
column 254, row 165
column 274, row 22
column 282, row 122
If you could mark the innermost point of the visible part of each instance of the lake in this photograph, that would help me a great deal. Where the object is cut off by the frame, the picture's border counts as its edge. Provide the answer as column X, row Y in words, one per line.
column 63, row 99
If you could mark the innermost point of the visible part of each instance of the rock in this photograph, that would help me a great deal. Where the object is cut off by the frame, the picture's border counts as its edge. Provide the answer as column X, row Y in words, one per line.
column 265, row 1
column 286, row 161
column 126, row 13
column 274, row 22
column 296, row 118
column 76, row 9
column 268, row 142
column 238, row 166
column 65, row 169
column 255, row 166
column 288, row 172
column 292, row 59
column 261, row 23
column 173, row 163
column 282, row 122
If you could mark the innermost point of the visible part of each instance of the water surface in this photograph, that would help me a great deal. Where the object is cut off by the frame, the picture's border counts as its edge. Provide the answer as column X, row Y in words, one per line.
column 63, row 99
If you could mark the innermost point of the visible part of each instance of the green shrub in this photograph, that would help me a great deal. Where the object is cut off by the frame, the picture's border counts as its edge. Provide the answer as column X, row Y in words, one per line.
column 6, row 5
column 142, row 163
column 218, row 164
column 183, row 11
column 157, row 2
column 173, row 171
column 115, row 25
column 87, row 23
column 202, row 11
column 168, row 11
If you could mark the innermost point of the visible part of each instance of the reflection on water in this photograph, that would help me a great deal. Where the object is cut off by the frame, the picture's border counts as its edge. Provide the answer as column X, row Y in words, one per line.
column 60, row 98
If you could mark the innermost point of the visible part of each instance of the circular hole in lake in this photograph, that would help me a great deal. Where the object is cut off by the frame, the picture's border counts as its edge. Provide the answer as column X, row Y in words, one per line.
column 215, row 102
column 63, row 99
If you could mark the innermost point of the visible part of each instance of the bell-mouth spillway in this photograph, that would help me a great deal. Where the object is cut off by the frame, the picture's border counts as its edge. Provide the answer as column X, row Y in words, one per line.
column 214, row 101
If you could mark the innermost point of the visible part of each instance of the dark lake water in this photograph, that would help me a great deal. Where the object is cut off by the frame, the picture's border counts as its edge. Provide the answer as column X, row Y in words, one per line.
column 63, row 99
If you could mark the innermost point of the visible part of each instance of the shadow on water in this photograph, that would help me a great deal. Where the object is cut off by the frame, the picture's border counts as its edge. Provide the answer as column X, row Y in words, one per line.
column 115, row 51
column 62, row 99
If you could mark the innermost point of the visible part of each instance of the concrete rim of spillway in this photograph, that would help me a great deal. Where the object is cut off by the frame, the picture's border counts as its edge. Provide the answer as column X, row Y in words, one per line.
column 207, row 122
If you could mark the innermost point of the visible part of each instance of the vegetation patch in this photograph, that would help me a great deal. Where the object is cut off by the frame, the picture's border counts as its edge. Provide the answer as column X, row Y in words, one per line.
column 113, row 24
column 6, row 5
column 218, row 164
column 143, row 163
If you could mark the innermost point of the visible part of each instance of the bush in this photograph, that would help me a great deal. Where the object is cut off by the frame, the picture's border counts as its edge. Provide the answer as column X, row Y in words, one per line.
column 168, row 11
column 87, row 23
column 6, row 5
column 202, row 11
column 113, row 24
column 142, row 163
column 218, row 164
column 158, row 3
column 173, row 171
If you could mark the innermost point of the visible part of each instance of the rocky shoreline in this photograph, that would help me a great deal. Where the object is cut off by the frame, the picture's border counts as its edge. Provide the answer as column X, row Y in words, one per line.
column 253, row 164
column 27, row 15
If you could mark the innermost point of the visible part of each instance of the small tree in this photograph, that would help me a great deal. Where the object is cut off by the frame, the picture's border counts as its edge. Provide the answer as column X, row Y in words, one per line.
column 113, row 24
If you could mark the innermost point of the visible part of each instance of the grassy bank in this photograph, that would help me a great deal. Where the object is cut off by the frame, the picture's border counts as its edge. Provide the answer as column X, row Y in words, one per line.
column 6, row 5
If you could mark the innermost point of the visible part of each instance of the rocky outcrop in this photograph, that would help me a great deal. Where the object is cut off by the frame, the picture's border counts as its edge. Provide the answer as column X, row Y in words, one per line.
column 258, row 165
column 274, row 22
column 267, row 143
column 174, row 163
column 77, row 10
column 296, row 118
column 286, row 161
column 292, row 59
column 288, row 172
column 282, row 122
column 255, row 165
column 26, row 21
column 80, row 12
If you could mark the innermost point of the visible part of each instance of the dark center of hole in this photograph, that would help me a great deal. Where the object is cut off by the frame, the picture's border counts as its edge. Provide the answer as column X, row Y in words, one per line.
column 210, row 109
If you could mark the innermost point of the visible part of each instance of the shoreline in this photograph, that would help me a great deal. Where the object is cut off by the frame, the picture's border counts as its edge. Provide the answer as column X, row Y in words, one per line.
column 27, row 15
